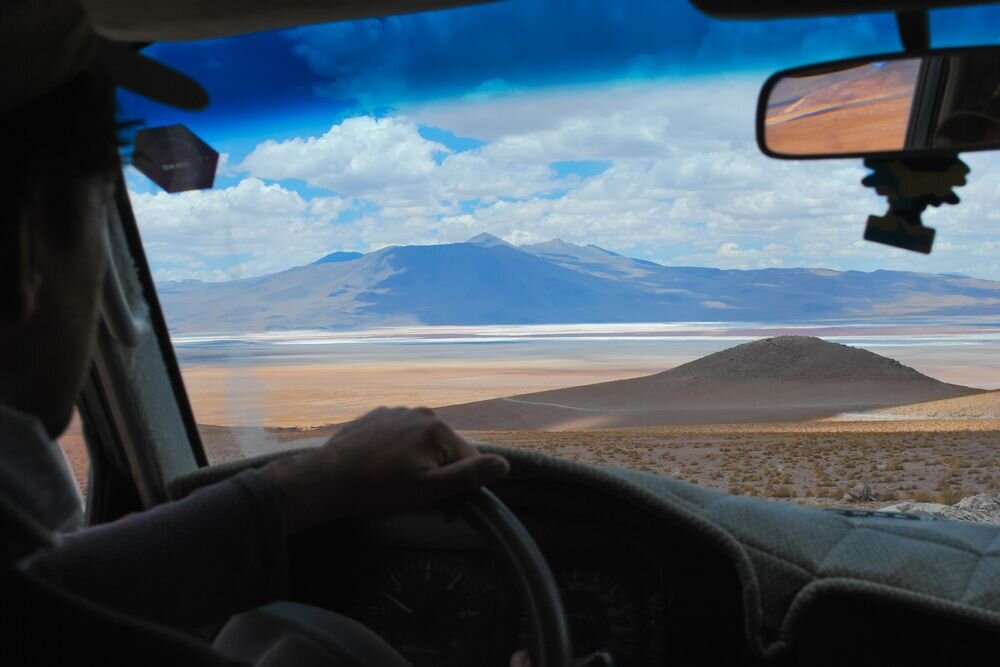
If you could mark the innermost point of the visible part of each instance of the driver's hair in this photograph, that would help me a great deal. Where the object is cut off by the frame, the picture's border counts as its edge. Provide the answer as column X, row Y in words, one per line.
column 49, row 147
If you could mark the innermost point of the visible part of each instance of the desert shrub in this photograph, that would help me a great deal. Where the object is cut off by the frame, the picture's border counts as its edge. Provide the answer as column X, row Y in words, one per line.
column 951, row 496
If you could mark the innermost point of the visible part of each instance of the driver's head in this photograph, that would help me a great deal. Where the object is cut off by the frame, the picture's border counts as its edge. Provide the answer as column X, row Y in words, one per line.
column 57, row 168
column 59, row 159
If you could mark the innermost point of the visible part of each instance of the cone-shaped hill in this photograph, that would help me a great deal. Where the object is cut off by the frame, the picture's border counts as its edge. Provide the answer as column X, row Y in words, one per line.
column 796, row 358
column 786, row 378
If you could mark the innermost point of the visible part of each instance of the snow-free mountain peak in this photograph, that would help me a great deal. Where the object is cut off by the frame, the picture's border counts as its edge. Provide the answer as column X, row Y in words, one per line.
column 556, row 245
column 591, row 259
column 487, row 240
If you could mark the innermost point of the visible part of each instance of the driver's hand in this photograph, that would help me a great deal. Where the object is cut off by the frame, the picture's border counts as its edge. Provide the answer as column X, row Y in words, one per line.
column 390, row 460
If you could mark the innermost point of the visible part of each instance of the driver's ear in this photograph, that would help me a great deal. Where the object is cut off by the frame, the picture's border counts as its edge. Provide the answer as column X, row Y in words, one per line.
column 21, row 252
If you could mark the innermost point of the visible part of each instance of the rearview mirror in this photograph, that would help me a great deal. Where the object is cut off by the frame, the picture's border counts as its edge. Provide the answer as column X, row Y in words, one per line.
column 898, row 105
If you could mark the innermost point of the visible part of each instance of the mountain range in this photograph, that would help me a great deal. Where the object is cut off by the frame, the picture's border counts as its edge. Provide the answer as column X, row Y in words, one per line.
column 489, row 281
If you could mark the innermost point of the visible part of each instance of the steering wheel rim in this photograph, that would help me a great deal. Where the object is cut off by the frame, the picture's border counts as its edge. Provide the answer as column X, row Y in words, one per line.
column 347, row 643
column 534, row 580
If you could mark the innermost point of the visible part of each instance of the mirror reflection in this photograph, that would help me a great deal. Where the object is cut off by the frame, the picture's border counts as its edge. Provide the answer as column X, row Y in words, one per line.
column 945, row 100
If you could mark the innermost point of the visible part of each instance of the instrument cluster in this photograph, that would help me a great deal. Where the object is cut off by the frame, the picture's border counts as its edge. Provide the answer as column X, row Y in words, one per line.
column 446, row 607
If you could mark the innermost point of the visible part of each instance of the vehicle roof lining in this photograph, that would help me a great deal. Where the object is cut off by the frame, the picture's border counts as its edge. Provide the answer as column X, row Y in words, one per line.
column 775, row 9
column 184, row 20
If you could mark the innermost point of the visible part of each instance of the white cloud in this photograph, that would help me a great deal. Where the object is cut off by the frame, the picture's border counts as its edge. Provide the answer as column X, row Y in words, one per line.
column 732, row 256
column 686, row 185
column 247, row 229
column 386, row 161
column 359, row 156
column 706, row 112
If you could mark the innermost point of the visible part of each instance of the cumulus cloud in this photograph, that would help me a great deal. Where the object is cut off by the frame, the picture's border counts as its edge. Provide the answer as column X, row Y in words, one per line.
column 732, row 256
column 684, row 184
column 388, row 161
column 247, row 229
column 359, row 156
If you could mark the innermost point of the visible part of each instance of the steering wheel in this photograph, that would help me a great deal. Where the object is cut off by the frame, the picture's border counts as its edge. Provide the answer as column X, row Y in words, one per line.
column 535, row 584
column 280, row 628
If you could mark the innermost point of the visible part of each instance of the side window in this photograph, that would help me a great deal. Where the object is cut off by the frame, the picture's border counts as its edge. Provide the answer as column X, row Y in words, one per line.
column 75, row 448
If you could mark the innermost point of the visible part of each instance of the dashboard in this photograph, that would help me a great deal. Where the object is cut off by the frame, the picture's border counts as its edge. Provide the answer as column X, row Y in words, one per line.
column 648, row 577
column 642, row 592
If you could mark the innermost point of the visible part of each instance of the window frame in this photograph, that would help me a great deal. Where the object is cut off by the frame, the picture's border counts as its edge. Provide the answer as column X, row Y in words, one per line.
column 133, row 460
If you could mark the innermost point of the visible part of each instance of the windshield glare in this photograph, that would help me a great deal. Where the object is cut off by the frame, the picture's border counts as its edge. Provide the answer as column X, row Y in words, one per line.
column 553, row 226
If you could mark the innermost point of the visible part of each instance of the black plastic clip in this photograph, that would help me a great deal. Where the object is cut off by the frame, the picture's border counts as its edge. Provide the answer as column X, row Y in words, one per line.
column 911, row 185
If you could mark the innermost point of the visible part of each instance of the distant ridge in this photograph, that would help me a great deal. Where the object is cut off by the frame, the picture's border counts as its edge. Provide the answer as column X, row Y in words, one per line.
column 788, row 378
column 486, row 280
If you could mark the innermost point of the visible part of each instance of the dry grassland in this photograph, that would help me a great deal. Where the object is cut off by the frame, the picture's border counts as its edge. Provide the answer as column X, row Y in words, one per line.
column 816, row 463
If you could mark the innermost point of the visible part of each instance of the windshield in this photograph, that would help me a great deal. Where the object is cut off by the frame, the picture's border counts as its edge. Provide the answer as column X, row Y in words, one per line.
column 551, row 223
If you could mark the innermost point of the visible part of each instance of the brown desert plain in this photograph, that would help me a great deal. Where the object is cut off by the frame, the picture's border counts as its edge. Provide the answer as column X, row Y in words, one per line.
column 789, row 418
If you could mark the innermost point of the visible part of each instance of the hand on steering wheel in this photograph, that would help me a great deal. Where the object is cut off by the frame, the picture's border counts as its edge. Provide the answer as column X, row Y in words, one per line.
column 393, row 460
column 388, row 461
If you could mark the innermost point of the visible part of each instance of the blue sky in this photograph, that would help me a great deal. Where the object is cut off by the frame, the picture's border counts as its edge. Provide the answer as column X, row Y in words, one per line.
column 624, row 124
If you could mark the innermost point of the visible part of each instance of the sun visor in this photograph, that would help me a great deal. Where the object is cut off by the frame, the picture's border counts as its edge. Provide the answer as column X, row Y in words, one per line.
column 145, row 76
column 46, row 43
column 774, row 9
column 181, row 20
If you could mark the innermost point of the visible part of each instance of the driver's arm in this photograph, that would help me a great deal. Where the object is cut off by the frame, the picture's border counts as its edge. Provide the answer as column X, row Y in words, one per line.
column 222, row 550
column 186, row 563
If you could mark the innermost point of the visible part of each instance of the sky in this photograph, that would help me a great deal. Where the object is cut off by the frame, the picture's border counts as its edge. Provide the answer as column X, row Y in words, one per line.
column 625, row 124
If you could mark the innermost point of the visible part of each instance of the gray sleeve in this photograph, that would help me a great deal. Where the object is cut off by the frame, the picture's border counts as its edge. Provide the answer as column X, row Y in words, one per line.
column 185, row 563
